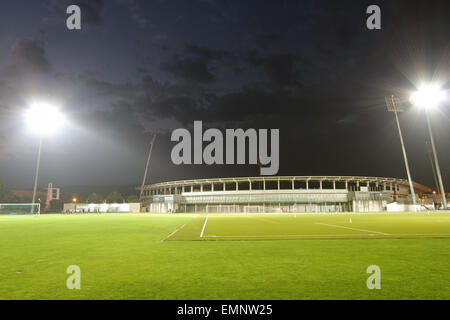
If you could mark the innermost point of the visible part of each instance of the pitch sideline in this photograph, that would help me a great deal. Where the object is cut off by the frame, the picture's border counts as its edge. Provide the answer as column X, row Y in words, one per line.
column 168, row 236
column 355, row 229
column 204, row 226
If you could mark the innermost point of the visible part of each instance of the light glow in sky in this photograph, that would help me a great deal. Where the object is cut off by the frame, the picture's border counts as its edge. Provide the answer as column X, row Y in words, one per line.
column 44, row 118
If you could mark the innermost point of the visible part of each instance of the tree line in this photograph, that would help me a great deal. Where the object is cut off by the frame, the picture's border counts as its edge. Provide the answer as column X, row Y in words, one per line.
column 112, row 197
column 7, row 196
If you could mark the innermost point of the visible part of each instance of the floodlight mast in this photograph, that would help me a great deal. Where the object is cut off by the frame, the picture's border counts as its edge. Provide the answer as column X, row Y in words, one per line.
column 391, row 103
column 36, row 175
column 147, row 165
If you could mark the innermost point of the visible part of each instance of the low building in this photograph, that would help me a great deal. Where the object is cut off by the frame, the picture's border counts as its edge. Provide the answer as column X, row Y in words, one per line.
column 102, row 207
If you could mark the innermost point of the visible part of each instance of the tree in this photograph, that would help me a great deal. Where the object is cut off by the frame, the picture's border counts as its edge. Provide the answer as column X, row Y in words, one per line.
column 94, row 198
column 5, row 194
column 56, row 206
column 25, row 199
column 132, row 198
column 114, row 197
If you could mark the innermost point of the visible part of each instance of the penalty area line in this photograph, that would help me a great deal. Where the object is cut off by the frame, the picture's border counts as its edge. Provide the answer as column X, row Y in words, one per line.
column 292, row 235
column 168, row 236
column 324, row 236
column 356, row 229
column 204, row 226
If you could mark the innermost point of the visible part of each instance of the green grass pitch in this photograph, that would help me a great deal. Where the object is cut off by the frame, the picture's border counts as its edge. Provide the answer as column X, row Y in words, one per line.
column 283, row 256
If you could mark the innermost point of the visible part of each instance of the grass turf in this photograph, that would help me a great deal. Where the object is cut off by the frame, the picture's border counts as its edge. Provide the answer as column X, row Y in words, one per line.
column 122, row 257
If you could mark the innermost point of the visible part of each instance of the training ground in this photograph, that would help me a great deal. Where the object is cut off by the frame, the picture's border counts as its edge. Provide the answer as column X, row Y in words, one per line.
column 253, row 256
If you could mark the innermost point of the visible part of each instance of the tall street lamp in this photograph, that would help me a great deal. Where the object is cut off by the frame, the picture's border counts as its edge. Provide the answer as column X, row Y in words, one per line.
column 43, row 119
column 394, row 106
column 428, row 97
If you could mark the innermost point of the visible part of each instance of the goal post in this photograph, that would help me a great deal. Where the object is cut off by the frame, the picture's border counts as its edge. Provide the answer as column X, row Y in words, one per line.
column 20, row 208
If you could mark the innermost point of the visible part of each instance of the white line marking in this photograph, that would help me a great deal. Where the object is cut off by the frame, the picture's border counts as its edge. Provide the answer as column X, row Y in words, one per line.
column 291, row 235
column 330, row 235
column 17, row 217
column 419, row 234
column 204, row 226
column 167, row 237
column 336, row 226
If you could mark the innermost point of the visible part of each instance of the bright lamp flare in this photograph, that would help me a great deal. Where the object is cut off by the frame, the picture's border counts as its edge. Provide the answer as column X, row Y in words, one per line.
column 44, row 118
column 428, row 96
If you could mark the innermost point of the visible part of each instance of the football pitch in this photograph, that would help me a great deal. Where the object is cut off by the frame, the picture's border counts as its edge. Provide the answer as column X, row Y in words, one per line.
column 313, row 226
column 218, row 256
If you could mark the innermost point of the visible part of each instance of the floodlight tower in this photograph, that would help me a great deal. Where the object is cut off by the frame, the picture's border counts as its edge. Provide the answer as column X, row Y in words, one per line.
column 429, row 96
column 394, row 106
column 146, row 166
column 43, row 119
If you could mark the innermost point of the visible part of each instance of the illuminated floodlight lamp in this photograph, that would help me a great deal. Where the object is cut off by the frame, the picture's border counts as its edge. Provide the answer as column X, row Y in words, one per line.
column 44, row 118
column 428, row 96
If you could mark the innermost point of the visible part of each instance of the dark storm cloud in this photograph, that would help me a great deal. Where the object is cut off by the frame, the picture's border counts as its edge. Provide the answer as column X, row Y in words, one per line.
column 281, row 69
column 200, row 63
column 91, row 10
column 112, row 90
column 264, row 41
column 249, row 106
column 27, row 56
column 206, row 53
column 141, row 70
column 195, row 69
column 153, row 100
column 219, row 58
column 24, row 72
column 135, row 11
column 116, row 126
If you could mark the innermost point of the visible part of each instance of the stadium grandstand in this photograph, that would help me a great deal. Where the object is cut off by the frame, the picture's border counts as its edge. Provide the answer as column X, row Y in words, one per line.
column 279, row 194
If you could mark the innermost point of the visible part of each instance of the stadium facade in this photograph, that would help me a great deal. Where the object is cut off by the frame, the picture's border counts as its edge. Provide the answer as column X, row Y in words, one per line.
column 278, row 194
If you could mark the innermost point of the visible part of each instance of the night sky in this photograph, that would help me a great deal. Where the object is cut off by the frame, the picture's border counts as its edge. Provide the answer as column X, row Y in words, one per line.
column 309, row 68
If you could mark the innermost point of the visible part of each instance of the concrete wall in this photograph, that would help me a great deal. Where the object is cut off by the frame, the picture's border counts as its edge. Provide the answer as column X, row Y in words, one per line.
column 103, row 207
column 369, row 206
column 399, row 207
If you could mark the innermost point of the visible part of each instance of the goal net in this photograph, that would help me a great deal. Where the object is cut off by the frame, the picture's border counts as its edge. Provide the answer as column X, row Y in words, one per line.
column 20, row 208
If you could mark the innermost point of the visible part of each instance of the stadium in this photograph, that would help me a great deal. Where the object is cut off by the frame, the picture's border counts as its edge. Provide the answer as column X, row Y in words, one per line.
column 224, row 154
column 280, row 194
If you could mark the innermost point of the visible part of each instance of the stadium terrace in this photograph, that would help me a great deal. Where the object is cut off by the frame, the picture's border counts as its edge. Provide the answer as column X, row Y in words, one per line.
column 280, row 194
